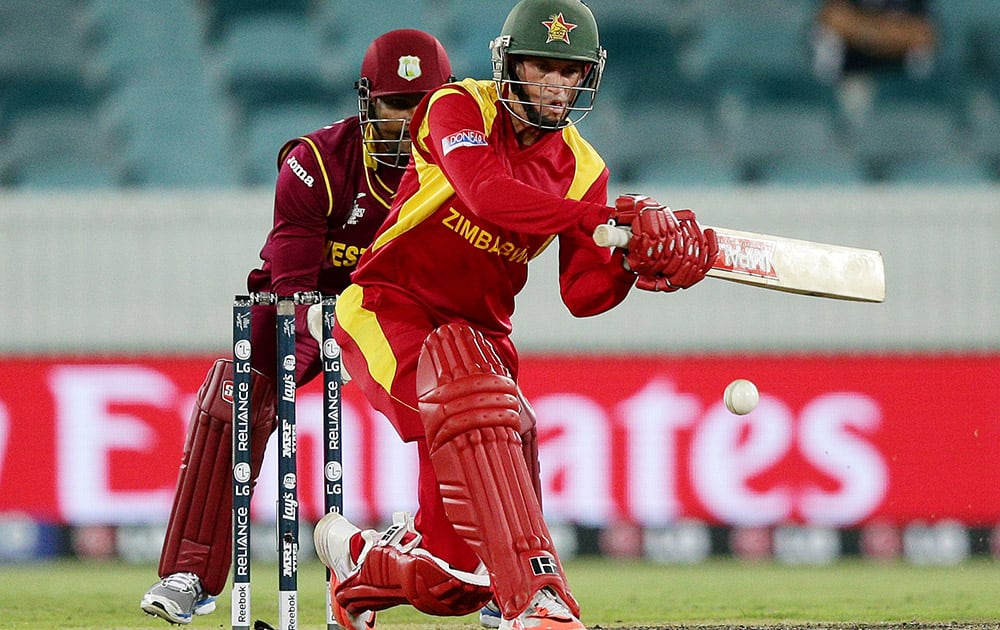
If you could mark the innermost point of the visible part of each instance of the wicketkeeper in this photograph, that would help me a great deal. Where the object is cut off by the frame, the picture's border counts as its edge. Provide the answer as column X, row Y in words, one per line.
column 334, row 188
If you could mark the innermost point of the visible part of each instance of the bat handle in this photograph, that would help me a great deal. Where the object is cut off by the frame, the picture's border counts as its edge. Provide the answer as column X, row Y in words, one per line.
column 607, row 235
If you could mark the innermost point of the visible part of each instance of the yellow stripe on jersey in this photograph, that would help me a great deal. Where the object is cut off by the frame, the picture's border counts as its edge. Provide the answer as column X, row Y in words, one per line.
column 386, row 203
column 485, row 94
column 434, row 191
column 322, row 169
column 542, row 247
column 434, row 188
column 589, row 167
column 589, row 164
column 364, row 329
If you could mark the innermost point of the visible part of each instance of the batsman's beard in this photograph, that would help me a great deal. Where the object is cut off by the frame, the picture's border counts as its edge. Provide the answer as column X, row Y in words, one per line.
column 532, row 110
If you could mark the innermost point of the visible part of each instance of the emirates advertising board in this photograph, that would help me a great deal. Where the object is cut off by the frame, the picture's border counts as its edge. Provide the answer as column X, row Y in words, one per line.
column 836, row 440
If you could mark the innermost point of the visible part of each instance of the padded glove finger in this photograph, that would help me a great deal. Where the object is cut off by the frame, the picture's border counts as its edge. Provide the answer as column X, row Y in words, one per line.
column 701, row 250
column 655, row 283
column 653, row 243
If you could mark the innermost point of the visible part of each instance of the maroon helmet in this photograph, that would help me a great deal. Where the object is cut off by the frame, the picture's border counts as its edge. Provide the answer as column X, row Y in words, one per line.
column 401, row 62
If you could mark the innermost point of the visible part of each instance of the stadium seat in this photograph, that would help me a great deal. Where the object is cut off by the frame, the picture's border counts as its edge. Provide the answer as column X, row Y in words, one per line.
column 637, row 139
column 168, row 134
column 949, row 168
column 173, row 107
column 67, row 174
column 265, row 59
column 434, row 16
column 817, row 169
column 4, row 122
column 221, row 13
column 270, row 128
column 673, row 141
column 985, row 53
column 969, row 35
column 162, row 161
column 906, row 131
column 640, row 11
column 788, row 143
column 940, row 89
column 751, row 40
column 602, row 128
column 41, row 56
column 55, row 148
column 699, row 167
column 984, row 131
column 680, row 20
column 466, row 30
column 779, row 129
column 642, row 60
column 708, row 91
column 668, row 127
column 135, row 39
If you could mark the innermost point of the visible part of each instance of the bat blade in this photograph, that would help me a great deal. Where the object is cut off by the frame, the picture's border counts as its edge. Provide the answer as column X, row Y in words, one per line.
column 798, row 266
column 786, row 264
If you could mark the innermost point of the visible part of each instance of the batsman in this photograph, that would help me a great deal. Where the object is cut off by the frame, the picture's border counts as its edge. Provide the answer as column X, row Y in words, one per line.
column 498, row 173
column 334, row 188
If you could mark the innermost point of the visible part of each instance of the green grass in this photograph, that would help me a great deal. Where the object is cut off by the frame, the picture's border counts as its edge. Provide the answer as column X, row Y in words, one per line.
column 72, row 594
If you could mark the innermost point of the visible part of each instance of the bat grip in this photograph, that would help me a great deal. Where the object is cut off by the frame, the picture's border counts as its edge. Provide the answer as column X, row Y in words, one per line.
column 607, row 235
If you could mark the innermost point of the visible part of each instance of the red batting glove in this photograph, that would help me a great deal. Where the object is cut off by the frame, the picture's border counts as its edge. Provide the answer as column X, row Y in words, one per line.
column 669, row 250
column 654, row 283
column 701, row 249
column 627, row 208
column 654, row 240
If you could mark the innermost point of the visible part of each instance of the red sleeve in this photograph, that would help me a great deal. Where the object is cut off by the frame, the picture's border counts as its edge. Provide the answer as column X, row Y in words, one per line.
column 485, row 186
column 592, row 279
column 296, row 241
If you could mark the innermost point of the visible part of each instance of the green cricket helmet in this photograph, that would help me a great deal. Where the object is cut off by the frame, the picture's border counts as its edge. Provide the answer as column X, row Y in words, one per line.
column 556, row 29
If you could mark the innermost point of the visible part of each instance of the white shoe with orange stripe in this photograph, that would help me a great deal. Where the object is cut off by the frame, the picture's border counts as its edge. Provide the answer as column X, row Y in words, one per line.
column 545, row 612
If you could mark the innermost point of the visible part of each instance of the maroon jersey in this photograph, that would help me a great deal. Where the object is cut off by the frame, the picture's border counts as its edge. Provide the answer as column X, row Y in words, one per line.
column 329, row 201
column 328, row 204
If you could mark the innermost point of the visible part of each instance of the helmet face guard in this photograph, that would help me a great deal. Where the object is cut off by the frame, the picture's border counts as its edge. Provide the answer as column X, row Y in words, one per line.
column 391, row 149
column 401, row 62
column 512, row 90
column 554, row 29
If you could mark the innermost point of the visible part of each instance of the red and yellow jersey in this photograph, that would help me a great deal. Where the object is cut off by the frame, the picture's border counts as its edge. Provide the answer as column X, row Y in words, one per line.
column 475, row 207
column 328, row 205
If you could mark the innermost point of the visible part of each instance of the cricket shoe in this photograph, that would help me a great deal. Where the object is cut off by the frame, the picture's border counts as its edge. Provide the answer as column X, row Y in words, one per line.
column 545, row 612
column 489, row 615
column 332, row 537
column 177, row 598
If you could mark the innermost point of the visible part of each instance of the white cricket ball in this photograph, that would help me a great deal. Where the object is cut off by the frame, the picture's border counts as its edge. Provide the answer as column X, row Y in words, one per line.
column 741, row 396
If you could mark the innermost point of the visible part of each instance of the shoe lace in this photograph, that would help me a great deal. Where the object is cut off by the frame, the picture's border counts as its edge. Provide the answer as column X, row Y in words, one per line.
column 548, row 604
column 183, row 582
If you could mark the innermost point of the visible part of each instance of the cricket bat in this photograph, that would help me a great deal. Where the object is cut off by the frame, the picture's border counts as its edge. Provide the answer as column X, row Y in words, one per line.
column 785, row 264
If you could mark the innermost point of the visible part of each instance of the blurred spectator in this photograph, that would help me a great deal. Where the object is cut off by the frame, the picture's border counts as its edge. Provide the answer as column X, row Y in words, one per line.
column 856, row 39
